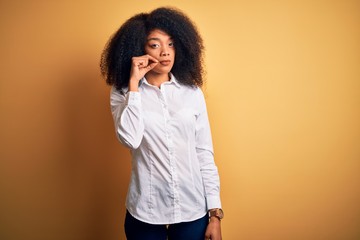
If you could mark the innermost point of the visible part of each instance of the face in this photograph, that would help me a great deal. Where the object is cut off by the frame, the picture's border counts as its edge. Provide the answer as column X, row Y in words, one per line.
column 161, row 46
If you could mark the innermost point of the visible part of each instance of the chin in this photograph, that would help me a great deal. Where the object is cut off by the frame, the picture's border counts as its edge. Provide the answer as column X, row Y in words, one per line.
column 161, row 71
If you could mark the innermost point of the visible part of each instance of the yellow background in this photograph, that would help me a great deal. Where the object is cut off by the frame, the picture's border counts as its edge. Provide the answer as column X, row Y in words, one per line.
column 283, row 95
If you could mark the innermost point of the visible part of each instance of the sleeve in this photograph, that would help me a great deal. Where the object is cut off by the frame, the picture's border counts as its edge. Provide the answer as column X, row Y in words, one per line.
column 128, row 117
column 205, row 154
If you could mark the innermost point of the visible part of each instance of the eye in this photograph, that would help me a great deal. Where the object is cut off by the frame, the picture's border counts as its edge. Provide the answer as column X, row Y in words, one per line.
column 154, row 45
column 171, row 44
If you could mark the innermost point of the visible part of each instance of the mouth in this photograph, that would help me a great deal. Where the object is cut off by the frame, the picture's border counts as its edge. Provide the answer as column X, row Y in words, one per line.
column 165, row 62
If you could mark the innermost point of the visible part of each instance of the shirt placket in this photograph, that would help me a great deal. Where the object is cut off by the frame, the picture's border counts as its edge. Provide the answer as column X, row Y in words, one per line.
column 172, row 164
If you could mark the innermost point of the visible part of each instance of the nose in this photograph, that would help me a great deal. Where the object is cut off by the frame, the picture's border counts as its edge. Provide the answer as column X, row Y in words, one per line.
column 165, row 53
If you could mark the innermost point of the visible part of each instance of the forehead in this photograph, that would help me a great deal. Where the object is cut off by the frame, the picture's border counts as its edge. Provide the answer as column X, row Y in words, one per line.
column 158, row 34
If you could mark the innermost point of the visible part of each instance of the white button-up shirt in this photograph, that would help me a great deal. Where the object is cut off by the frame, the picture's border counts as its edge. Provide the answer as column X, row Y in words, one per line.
column 174, row 178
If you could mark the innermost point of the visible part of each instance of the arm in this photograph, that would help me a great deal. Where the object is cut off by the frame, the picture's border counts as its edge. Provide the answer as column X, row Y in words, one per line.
column 205, row 154
column 209, row 172
column 128, row 120
column 126, row 110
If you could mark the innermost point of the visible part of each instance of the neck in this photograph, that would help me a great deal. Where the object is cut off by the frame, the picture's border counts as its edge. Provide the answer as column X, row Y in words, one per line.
column 157, row 79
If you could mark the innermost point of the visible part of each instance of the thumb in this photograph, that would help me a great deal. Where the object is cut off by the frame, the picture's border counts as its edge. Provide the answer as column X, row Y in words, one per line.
column 151, row 66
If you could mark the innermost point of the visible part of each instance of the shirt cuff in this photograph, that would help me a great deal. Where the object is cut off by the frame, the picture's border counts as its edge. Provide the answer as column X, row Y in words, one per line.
column 133, row 98
column 213, row 202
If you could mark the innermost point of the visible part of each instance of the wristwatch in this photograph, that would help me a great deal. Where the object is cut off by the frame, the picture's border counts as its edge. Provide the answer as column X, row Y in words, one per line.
column 216, row 212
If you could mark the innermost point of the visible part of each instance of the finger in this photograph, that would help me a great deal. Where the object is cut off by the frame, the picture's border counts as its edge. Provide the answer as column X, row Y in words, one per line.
column 151, row 66
column 147, row 56
column 152, row 58
column 141, row 64
column 140, row 61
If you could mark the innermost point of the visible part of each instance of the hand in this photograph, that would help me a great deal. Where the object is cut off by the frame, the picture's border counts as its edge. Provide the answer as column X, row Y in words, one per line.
column 213, row 230
column 139, row 67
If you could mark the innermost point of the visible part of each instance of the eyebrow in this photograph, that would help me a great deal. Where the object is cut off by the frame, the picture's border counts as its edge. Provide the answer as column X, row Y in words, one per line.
column 156, row 39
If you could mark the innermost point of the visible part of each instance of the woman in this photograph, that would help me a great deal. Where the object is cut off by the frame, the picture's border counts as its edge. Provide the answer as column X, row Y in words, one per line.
column 154, row 63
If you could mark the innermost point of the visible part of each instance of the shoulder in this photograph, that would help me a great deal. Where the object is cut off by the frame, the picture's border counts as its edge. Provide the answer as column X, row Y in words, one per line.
column 190, row 93
column 117, row 95
column 190, row 89
column 194, row 95
column 115, row 91
column 198, row 92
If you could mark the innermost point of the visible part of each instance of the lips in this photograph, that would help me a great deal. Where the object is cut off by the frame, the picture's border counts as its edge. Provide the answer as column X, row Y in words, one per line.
column 165, row 62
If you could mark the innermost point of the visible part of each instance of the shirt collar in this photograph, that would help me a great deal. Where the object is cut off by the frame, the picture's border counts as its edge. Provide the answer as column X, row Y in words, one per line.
column 173, row 80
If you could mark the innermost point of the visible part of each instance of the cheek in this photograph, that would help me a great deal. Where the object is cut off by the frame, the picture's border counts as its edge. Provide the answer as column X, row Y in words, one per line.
column 172, row 54
column 151, row 52
column 172, row 51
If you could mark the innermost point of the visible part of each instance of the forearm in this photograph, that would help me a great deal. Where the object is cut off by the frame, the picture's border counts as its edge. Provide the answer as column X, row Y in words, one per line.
column 210, row 176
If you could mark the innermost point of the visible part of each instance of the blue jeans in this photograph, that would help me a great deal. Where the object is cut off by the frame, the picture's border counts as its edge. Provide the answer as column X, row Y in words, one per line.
column 138, row 230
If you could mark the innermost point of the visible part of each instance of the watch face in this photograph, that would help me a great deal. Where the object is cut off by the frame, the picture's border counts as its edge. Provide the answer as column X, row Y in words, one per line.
column 220, row 213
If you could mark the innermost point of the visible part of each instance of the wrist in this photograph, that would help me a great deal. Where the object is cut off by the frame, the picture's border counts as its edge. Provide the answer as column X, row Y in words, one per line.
column 216, row 213
column 133, row 85
column 214, row 220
